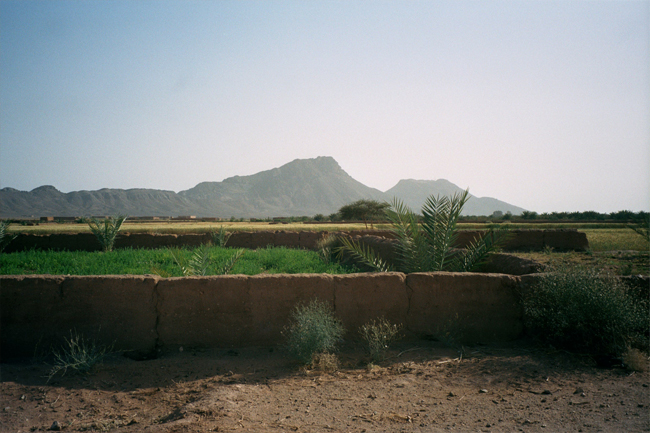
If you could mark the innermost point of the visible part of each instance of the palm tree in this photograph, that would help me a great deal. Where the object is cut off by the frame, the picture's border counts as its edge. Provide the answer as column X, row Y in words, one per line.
column 428, row 246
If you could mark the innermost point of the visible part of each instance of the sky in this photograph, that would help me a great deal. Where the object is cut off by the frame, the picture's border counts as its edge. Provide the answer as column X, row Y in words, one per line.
column 542, row 104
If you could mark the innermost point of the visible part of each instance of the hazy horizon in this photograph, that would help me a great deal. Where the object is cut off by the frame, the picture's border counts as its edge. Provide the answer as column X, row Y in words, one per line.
column 542, row 104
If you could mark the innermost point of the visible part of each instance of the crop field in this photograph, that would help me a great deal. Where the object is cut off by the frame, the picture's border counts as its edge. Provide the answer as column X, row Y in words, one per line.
column 601, row 236
column 612, row 247
column 141, row 261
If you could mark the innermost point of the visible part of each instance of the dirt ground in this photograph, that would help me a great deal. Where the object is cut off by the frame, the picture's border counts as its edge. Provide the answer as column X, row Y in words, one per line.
column 421, row 387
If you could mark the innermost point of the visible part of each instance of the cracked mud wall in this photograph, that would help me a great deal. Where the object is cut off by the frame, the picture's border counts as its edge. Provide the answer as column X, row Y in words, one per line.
column 143, row 313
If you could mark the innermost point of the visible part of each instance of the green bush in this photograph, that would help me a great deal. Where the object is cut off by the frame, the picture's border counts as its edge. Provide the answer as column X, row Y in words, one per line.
column 313, row 329
column 582, row 310
column 379, row 335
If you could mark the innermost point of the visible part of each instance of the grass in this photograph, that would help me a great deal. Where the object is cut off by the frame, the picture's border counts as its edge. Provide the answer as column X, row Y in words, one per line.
column 623, row 239
column 78, row 355
column 142, row 261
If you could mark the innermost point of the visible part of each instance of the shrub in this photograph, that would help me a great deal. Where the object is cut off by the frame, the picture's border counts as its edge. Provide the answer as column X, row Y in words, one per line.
column 581, row 310
column 313, row 329
column 106, row 230
column 77, row 354
column 379, row 335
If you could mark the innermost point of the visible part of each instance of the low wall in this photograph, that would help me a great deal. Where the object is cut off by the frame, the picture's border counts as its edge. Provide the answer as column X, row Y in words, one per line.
column 559, row 240
column 144, row 314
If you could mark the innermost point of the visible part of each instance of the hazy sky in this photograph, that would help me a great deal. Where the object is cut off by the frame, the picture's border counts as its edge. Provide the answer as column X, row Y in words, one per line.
column 542, row 104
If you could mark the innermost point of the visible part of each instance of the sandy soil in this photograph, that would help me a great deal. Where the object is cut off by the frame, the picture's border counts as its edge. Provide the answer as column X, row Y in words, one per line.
column 422, row 387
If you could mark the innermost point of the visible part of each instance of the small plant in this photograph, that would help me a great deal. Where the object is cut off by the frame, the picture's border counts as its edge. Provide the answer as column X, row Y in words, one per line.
column 379, row 334
column 313, row 329
column 582, row 310
column 220, row 237
column 106, row 230
column 5, row 237
column 198, row 265
column 77, row 354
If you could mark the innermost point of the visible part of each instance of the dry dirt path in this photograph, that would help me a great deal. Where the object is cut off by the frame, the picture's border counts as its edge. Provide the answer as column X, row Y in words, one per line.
column 427, row 388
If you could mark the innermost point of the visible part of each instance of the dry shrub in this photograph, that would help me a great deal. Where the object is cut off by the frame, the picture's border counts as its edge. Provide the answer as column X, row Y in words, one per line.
column 327, row 362
column 635, row 360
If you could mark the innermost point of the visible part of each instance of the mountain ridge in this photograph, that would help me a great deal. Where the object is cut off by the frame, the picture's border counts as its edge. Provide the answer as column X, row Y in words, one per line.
column 300, row 187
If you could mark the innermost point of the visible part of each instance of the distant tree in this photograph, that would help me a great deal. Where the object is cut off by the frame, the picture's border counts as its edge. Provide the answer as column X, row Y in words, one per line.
column 319, row 217
column 507, row 216
column 622, row 215
column 497, row 214
column 334, row 216
column 363, row 210
column 529, row 215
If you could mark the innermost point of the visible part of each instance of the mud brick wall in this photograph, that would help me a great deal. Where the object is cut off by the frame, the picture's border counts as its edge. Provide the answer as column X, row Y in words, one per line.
column 144, row 314
column 536, row 240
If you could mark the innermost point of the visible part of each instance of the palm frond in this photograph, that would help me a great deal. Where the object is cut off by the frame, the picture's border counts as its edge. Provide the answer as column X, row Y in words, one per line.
column 230, row 263
column 5, row 237
column 199, row 262
column 411, row 246
column 439, row 219
column 479, row 250
column 364, row 255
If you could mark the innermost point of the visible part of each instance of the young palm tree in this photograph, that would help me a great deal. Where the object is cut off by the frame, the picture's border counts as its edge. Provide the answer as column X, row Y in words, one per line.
column 106, row 230
column 428, row 246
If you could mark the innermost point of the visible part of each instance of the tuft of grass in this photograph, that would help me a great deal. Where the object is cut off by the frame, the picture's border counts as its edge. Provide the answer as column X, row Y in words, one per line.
column 379, row 335
column 582, row 310
column 313, row 329
column 78, row 355
column 106, row 230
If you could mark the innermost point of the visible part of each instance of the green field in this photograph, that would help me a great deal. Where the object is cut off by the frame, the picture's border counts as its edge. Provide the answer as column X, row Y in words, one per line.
column 612, row 247
column 142, row 261
column 132, row 226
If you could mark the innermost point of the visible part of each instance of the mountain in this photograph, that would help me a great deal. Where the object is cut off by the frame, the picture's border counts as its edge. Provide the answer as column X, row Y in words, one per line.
column 301, row 187
column 415, row 192
column 49, row 201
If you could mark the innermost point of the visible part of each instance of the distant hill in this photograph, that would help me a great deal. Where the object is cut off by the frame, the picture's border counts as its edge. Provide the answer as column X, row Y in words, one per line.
column 301, row 187
column 415, row 192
